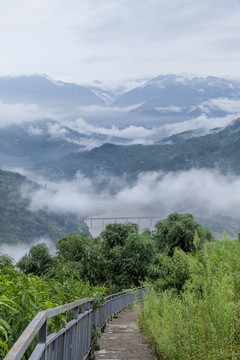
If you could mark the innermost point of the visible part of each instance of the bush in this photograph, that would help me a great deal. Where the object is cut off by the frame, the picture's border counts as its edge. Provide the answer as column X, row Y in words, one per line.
column 169, row 272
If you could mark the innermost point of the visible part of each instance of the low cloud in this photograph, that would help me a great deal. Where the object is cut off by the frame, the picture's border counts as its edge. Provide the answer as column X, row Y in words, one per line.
column 34, row 130
column 223, row 104
column 166, row 109
column 16, row 114
column 129, row 132
column 201, row 122
column 204, row 193
column 199, row 192
column 56, row 130
column 103, row 109
column 78, row 196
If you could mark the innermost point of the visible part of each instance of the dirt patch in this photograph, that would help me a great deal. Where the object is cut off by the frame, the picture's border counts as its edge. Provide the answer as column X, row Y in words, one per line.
column 122, row 340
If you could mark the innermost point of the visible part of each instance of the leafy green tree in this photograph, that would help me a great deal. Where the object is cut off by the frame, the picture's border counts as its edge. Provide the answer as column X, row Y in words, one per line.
column 112, row 240
column 37, row 261
column 73, row 247
column 116, row 234
column 137, row 254
column 6, row 261
column 127, row 255
column 81, row 253
column 178, row 230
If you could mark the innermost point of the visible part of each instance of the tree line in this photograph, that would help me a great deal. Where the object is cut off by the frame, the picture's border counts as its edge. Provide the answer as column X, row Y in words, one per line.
column 120, row 257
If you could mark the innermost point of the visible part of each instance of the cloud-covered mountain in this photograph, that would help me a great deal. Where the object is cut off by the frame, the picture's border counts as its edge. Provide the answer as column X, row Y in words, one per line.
column 44, row 91
column 43, row 120
column 219, row 149
column 166, row 94
column 18, row 223
column 95, row 149
column 37, row 144
column 170, row 93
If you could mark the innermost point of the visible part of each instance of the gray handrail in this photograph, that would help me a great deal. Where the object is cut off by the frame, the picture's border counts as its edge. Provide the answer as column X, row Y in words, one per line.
column 74, row 340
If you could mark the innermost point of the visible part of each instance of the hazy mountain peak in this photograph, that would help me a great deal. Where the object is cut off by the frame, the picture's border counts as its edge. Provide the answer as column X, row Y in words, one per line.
column 45, row 91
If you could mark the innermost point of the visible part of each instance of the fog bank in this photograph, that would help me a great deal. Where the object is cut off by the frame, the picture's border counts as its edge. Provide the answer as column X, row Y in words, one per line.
column 198, row 191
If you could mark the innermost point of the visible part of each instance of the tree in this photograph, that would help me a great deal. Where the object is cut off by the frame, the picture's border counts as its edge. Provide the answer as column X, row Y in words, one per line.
column 178, row 230
column 137, row 254
column 83, row 254
column 116, row 234
column 73, row 247
column 6, row 261
column 112, row 240
column 37, row 261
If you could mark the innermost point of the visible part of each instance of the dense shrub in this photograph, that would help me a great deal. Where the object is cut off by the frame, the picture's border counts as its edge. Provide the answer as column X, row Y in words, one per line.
column 169, row 272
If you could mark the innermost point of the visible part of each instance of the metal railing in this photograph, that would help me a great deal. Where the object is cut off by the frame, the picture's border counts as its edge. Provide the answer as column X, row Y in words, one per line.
column 74, row 340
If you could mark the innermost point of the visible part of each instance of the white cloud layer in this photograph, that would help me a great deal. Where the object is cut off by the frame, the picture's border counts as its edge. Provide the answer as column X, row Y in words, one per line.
column 95, row 109
column 16, row 114
column 204, row 193
column 154, row 194
column 34, row 130
column 129, row 132
column 227, row 105
column 200, row 122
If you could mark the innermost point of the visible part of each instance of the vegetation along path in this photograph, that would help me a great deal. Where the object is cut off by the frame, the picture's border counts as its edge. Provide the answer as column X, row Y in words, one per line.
column 122, row 340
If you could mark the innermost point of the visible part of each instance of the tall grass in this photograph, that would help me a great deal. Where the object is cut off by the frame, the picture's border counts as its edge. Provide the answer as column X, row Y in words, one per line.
column 203, row 320
column 23, row 296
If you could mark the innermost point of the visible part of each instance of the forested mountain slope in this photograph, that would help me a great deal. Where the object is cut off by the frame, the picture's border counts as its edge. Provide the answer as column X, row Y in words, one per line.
column 220, row 149
column 18, row 223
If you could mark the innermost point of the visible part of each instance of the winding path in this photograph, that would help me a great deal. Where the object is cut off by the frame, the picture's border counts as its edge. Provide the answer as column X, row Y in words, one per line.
column 122, row 340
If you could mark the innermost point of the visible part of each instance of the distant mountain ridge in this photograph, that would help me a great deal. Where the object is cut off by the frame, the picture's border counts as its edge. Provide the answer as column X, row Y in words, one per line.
column 219, row 149
column 40, row 144
column 37, row 144
column 166, row 99
column 174, row 90
column 166, row 92
column 181, row 122
column 44, row 91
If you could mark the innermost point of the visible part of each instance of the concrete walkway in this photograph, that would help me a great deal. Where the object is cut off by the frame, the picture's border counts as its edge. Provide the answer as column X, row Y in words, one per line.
column 122, row 340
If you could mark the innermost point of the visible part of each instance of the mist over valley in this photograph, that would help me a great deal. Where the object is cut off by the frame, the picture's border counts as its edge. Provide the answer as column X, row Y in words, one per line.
column 171, row 144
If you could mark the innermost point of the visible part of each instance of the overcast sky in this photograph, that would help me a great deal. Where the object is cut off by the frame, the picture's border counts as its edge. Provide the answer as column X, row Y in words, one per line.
column 84, row 40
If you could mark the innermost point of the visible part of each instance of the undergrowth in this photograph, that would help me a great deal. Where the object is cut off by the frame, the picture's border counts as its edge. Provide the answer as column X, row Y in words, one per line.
column 202, row 320
column 23, row 296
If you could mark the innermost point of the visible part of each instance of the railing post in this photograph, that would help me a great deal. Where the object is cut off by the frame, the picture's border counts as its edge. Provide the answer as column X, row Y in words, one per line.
column 75, row 312
column 90, row 322
column 82, row 331
column 75, row 336
column 42, row 338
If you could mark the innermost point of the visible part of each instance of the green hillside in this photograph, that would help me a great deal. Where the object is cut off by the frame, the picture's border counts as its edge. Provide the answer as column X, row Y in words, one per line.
column 18, row 224
column 219, row 150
